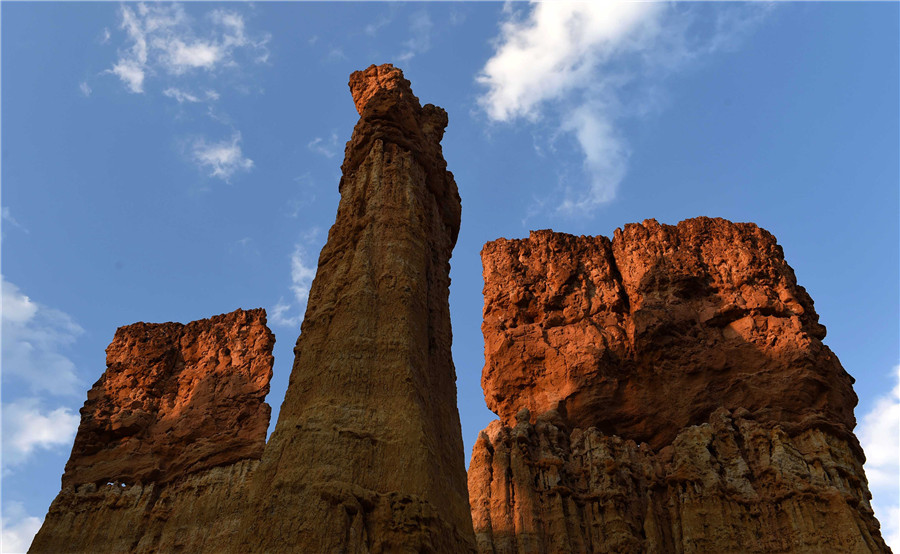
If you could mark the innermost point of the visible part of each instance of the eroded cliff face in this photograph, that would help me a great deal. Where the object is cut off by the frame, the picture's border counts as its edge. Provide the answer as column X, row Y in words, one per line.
column 666, row 391
column 167, row 437
column 368, row 439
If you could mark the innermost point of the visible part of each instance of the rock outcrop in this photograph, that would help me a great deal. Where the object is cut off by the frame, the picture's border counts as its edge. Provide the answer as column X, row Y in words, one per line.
column 368, row 442
column 167, row 436
column 666, row 391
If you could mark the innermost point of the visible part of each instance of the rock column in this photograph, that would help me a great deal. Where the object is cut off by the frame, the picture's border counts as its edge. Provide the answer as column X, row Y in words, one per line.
column 367, row 454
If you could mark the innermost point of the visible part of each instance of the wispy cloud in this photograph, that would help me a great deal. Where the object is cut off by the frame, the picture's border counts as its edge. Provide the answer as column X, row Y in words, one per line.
column 335, row 54
column 326, row 147
column 221, row 159
column 182, row 96
column 579, row 68
column 879, row 435
column 371, row 29
column 28, row 427
column 162, row 39
column 17, row 527
column 10, row 220
column 84, row 88
column 420, row 27
column 34, row 339
column 303, row 271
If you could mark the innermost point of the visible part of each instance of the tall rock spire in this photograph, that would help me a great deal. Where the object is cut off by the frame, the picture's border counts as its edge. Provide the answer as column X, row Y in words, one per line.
column 367, row 454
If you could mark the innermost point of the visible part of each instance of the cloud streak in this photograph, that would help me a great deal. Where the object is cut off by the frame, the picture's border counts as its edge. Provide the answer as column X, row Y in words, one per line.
column 578, row 68
column 325, row 147
column 303, row 271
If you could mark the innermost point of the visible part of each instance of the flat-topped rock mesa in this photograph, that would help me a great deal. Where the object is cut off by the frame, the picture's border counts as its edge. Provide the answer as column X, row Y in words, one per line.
column 665, row 391
column 368, row 438
column 167, row 434
column 653, row 331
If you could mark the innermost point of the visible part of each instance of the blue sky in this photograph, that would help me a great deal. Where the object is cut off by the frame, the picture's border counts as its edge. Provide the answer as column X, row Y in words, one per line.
column 172, row 162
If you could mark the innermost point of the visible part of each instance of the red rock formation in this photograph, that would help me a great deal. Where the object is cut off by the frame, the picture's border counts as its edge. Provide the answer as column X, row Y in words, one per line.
column 178, row 413
column 660, row 345
column 368, row 438
column 653, row 331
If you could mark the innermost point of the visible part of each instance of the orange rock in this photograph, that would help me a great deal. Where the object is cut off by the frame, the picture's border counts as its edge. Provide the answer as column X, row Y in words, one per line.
column 176, row 399
column 651, row 332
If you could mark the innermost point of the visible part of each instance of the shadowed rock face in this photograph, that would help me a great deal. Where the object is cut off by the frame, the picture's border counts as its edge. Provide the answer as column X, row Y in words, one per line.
column 167, row 436
column 666, row 391
column 368, row 438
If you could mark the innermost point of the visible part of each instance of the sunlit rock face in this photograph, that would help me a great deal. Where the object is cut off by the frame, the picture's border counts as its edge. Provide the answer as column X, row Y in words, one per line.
column 167, row 435
column 368, row 439
column 663, row 391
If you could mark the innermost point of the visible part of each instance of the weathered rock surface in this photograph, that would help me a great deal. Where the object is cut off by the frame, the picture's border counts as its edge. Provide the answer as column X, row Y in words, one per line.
column 666, row 391
column 729, row 485
column 367, row 454
column 167, row 435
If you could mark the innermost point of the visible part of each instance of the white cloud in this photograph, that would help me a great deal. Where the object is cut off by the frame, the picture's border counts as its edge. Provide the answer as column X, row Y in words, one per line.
column 279, row 314
column 420, row 26
column 222, row 159
column 580, row 67
column 84, row 88
column 17, row 528
column 879, row 434
column 131, row 73
column 27, row 428
column 181, row 57
column 327, row 148
column 164, row 40
column 303, row 271
column 33, row 338
column 555, row 49
column 302, row 274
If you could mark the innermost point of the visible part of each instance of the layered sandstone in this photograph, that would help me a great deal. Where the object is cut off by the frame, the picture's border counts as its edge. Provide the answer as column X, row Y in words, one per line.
column 368, row 438
column 649, row 344
column 167, row 436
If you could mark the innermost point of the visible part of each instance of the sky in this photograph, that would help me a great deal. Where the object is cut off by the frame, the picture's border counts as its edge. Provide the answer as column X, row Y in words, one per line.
column 170, row 162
